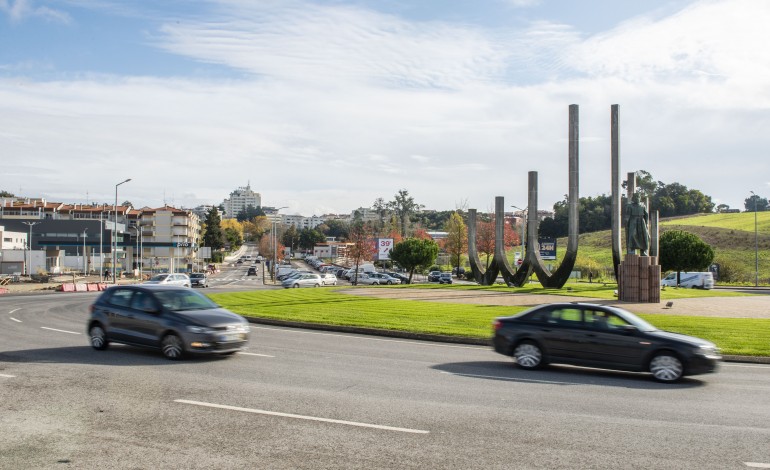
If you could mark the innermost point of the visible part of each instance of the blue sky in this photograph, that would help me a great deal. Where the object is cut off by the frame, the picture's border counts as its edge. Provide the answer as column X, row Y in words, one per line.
column 325, row 106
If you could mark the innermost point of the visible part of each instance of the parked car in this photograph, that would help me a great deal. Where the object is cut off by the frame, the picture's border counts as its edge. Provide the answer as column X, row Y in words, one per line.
column 329, row 279
column 601, row 336
column 304, row 280
column 385, row 279
column 399, row 276
column 701, row 280
column 199, row 280
column 175, row 320
column 252, row 271
column 175, row 279
column 368, row 279
column 433, row 276
column 445, row 278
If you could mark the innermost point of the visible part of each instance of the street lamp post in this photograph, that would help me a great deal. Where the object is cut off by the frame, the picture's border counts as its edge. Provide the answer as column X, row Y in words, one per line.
column 115, row 234
column 138, row 254
column 275, row 243
column 29, row 247
column 85, row 254
column 756, row 242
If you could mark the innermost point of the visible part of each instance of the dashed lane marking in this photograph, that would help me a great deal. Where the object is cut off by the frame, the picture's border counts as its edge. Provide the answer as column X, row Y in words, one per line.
column 303, row 417
column 253, row 354
column 7, row 376
column 16, row 320
column 757, row 465
column 60, row 331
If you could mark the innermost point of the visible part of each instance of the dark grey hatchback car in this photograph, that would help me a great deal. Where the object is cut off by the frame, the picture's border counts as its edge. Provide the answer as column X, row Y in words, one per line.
column 601, row 336
column 176, row 320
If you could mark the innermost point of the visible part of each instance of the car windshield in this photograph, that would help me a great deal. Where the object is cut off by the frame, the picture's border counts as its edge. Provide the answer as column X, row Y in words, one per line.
column 180, row 300
column 640, row 324
column 196, row 275
column 159, row 277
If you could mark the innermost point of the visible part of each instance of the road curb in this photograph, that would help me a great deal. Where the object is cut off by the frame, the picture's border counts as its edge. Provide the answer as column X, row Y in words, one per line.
column 431, row 337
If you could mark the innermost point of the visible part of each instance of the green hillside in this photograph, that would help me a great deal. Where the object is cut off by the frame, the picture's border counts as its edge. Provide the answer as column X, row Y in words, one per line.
column 731, row 236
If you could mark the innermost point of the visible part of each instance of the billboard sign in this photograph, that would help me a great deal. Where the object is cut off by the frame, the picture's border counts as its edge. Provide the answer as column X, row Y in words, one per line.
column 384, row 245
column 547, row 248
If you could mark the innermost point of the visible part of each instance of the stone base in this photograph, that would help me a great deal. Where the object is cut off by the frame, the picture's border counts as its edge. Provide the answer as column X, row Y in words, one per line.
column 639, row 279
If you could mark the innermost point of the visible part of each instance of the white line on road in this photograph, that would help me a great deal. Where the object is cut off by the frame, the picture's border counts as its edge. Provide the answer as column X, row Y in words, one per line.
column 369, row 338
column 253, row 354
column 61, row 331
column 7, row 376
column 16, row 320
column 512, row 379
column 757, row 465
column 758, row 366
column 309, row 418
column 15, row 310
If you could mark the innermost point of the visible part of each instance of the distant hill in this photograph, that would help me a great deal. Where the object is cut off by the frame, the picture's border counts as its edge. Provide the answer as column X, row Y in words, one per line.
column 731, row 236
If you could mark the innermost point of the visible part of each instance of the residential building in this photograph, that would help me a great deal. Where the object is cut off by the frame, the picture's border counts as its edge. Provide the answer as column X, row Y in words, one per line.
column 239, row 200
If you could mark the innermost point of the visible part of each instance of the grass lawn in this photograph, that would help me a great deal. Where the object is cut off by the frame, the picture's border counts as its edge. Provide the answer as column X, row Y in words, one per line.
column 736, row 336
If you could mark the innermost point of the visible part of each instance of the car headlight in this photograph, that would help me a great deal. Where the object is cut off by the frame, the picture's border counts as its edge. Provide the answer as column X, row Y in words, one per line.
column 707, row 351
column 199, row 329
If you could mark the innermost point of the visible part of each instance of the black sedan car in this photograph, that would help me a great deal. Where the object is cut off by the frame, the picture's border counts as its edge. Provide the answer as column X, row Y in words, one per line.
column 174, row 319
column 601, row 336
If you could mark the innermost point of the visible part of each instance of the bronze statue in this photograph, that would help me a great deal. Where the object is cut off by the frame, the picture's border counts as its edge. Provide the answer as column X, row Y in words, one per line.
column 637, row 235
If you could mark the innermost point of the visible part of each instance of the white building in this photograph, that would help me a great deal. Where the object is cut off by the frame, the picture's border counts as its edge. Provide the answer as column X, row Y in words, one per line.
column 12, row 240
column 239, row 200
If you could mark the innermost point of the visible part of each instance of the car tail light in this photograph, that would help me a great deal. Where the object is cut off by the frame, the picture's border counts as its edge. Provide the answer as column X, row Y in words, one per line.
column 497, row 324
column 91, row 308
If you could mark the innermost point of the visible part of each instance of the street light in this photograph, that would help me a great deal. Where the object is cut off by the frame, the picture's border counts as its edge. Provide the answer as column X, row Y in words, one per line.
column 115, row 233
column 275, row 244
column 523, row 225
column 138, row 249
column 29, row 247
column 85, row 255
column 756, row 242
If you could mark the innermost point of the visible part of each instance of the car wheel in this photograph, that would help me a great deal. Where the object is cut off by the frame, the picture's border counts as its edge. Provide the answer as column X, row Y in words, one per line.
column 390, row 282
column 98, row 338
column 666, row 367
column 316, row 285
column 528, row 355
column 171, row 345
column 296, row 286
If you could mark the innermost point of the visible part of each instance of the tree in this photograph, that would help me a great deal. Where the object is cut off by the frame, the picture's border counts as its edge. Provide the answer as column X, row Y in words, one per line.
column 457, row 239
column 684, row 251
column 723, row 208
column 290, row 238
column 249, row 212
column 335, row 228
column 127, row 204
column 749, row 203
column 233, row 237
column 363, row 247
column 213, row 236
column 404, row 207
column 381, row 207
column 414, row 253
column 485, row 240
column 6, row 194
column 308, row 238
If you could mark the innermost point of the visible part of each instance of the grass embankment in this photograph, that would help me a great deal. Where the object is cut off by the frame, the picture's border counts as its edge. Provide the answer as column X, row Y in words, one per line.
column 731, row 236
column 736, row 336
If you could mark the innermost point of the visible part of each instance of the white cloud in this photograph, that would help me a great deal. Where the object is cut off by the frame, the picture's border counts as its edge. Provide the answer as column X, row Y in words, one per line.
column 20, row 10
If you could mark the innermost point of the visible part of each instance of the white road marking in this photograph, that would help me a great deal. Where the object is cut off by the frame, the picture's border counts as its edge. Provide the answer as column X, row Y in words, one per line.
column 7, row 376
column 61, row 331
column 369, row 338
column 757, row 465
column 253, row 354
column 512, row 379
column 16, row 320
column 309, row 418
column 758, row 366
column 15, row 310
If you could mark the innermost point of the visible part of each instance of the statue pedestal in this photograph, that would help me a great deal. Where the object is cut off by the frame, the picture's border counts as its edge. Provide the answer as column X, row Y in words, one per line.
column 639, row 279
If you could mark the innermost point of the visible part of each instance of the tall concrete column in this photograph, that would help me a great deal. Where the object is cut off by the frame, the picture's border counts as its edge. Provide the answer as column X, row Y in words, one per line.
column 615, row 186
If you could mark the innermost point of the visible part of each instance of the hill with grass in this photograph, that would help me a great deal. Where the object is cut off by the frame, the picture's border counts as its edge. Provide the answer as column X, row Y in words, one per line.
column 731, row 236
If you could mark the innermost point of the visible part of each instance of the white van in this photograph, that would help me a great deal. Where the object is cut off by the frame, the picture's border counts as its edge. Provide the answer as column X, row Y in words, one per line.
column 692, row 280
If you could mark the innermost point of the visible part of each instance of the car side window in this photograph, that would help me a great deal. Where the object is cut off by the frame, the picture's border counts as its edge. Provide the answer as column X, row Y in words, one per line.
column 121, row 297
column 601, row 320
column 566, row 316
column 144, row 302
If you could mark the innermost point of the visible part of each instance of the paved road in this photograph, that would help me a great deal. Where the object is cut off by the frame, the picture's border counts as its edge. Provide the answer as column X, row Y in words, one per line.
column 303, row 399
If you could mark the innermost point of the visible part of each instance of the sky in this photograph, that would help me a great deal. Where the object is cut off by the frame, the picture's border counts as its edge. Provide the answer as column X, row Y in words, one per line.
column 325, row 106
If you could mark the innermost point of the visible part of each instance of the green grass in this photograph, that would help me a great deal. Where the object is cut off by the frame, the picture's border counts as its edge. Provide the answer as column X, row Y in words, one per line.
column 737, row 336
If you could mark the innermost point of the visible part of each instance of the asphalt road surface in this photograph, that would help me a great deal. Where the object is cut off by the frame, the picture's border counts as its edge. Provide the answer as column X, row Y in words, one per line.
column 304, row 399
